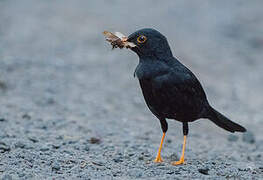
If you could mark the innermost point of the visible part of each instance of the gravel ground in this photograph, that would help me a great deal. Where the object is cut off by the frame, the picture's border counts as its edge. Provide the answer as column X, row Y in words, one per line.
column 71, row 109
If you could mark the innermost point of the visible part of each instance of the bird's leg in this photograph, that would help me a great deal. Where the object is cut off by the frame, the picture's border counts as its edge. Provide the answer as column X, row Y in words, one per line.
column 185, row 131
column 181, row 161
column 158, row 158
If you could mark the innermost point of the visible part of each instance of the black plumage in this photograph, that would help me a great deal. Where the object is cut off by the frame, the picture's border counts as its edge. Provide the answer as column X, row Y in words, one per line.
column 170, row 89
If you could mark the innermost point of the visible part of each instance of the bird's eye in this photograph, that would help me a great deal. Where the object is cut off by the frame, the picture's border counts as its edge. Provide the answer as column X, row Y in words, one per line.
column 141, row 39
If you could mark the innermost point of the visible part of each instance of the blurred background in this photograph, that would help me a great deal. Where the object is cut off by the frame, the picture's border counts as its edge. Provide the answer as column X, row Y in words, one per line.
column 68, row 102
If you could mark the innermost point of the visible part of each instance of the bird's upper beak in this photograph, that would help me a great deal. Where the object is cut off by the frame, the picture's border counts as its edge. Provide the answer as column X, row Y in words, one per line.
column 125, row 39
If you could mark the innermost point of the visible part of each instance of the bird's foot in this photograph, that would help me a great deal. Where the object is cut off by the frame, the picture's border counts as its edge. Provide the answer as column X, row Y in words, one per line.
column 158, row 159
column 175, row 163
column 181, row 161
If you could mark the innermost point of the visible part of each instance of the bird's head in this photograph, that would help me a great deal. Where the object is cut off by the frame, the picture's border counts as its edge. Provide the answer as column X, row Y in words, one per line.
column 150, row 43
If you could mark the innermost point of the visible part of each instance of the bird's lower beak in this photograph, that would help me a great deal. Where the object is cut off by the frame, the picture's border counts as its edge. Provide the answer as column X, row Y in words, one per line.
column 127, row 44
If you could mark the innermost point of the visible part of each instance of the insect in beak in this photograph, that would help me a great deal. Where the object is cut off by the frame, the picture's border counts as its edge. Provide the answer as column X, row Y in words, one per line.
column 118, row 40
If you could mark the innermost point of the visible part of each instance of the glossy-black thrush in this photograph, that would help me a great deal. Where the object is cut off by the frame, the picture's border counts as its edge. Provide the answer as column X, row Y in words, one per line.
column 170, row 89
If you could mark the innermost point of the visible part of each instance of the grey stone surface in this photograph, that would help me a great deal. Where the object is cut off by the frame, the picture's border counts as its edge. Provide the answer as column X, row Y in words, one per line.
column 248, row 137
column 71, row 109
column 232, row 137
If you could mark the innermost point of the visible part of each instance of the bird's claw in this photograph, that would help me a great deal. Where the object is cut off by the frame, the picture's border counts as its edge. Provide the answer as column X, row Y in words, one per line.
column 180, row 162
column 158, row 160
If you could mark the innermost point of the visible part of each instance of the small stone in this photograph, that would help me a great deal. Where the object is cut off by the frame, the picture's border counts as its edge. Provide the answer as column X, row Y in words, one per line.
column 203, row 171
column 98, row 163
column 26, row 116
column 76, row 147
column 33, row 139
column 43, row 149
column 68, row 152
column 83, row 164
column 59, row 137
column 243, row 169
column 19, row 144
column 118, row 159
column 131, row 154
column 72, row 141
column 3, row 85
column 248, row 137
column 169, row 141
column 232, row 138
column 21, row 174
column 86, row 148
column 56, row 145
column 44, row 127
column 94, row 140
column 170, row 172
column 141, row 158
column 4, row 147
column 2, row 119
column 249, row 158
column 174, row 157
column 55, row 166
column 50, row 101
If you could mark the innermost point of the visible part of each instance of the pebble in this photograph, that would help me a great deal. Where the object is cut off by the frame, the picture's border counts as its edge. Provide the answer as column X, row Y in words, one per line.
column 4, row 147
column 203, row 171
column 19, row 144
column 86, row 148
column 173, row 157
column 170, row 172
column 118, row 159
column 33, row 139
column 26, row 116
column 72, row 141
column 77, row 147
column 141, row 158
column 68, row 152
column 169, row 141
column 99, row 162
column 131, row 154
column 55, row 166
column 243, row 169
column 94, row 140
column 3, row 85
column 43, row 149
column 249, row 137
column 22, row 174
column 2, row 119
column 50, row 101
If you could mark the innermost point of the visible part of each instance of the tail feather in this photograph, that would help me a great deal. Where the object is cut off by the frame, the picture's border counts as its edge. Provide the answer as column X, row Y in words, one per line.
column 225, row 123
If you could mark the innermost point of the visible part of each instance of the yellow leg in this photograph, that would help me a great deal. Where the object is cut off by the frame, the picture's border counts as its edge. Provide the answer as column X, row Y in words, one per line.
column 158, row 158
column 181, row 161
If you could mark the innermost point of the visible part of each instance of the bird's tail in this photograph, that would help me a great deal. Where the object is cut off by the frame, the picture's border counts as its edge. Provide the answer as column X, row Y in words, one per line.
column 223, row 122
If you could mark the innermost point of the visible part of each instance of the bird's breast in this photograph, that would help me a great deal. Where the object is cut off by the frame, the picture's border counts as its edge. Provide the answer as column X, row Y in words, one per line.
column 150, row 69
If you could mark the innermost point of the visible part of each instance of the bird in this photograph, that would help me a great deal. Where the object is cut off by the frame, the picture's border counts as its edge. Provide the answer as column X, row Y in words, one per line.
column 170, row 89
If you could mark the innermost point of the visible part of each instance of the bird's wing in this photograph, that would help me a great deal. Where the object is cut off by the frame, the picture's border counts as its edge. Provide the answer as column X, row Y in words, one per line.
column 184, row 83
column 180, row 91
